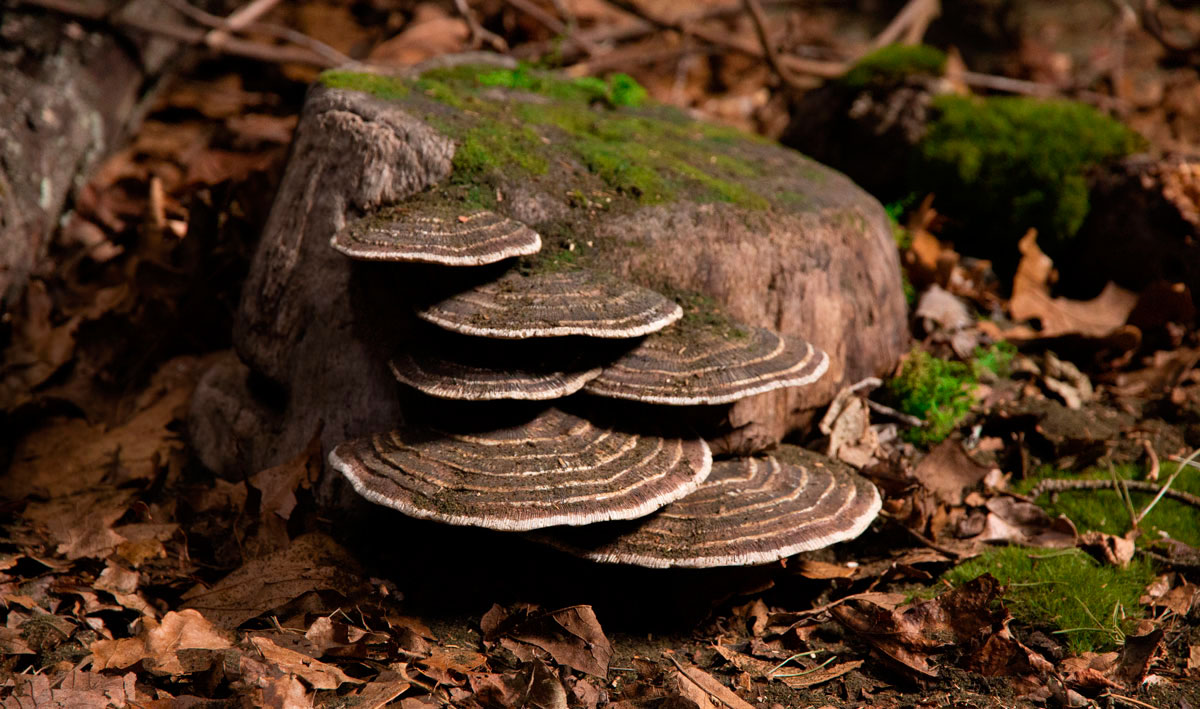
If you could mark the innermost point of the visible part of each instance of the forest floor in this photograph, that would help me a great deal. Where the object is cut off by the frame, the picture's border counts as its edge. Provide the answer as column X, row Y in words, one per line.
column 131, row 576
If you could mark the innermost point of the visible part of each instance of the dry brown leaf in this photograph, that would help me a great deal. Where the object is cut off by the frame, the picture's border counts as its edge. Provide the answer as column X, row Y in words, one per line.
column 77, row 689
column 947, row 471
column 158, row 643
column 1060, row 316
column 1107, row 548
column 278, row 484
column 70, row 454
column 810, row 569
column 1020, row 522
column 379, row 693
column 571, row 635
column 317, row 674
column 712, row 687
column 312, row 562
column 689, row 690
column 1193, row 662
column 444, row 660
column 81, row 524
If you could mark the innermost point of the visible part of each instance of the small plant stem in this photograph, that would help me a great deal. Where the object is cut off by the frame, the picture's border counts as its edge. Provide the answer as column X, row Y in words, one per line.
column 1167, row 485
column 808, row 672
column 1128, row 700
column 775, row 669
column 1124, row 492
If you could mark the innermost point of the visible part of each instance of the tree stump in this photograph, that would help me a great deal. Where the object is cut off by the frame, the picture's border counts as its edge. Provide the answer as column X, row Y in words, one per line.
column 795, row 247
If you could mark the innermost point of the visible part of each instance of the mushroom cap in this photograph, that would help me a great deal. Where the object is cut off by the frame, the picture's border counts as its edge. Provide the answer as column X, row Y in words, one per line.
column 748, row 511
column 437, row 375
column 554, row 304
column 697, row 364
column 436, row 233
column 556, row 469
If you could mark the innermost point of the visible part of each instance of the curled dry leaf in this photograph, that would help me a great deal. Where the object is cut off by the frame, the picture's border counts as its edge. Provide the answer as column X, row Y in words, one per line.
column 947, row 471
column 1016, row 521
column 158, row 643
column 1107, row 548
column 316, row 674
column 312, row 562
column 571, row 635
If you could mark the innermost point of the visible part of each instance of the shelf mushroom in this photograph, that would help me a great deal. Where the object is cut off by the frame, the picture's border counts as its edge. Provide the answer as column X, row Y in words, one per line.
column 466, row 378
column 748, row 511
column 556, row 469
column 436, row 234
column 554, row 304
column 691, row 364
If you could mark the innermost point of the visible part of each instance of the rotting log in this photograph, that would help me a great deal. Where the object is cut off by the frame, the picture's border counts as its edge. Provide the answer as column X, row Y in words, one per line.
column 315, row 330
column 70, row 93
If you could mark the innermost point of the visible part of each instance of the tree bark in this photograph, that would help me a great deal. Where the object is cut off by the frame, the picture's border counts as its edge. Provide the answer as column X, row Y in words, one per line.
column 70, row 93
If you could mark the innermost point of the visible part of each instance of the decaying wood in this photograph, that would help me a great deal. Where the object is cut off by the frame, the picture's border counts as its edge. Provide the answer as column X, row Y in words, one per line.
column 315, row 331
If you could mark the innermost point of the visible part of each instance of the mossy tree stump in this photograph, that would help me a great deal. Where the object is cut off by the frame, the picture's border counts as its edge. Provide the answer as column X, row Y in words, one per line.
column 714, row 218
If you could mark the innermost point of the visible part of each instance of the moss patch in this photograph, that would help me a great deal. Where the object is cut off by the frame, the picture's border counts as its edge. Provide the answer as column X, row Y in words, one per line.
column 1011, row 163
column 937, row 390
column 1103, row 510
column 649, row 154
column 1088, row 605
column 894, row 63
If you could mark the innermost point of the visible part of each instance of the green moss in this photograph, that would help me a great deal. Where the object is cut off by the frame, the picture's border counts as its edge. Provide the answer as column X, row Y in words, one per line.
column 651, row 154
column 1103, row 510
column 385, row 87
column 993, row 361
column 893, row 63
column 1089, row 605
column 1011, row 163
column 937, row 390
column 495, row 145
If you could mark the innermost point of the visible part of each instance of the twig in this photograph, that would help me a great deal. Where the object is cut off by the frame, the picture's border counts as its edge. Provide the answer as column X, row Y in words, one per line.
column 759, row 20
column 479, row 33
column 188, row 35
column 1063, row 484
column 1152, row 473
column 552, row 23
column 285, row 33
column 1129, row 700
column 898, row 415
column 1167, row 485
column 912, row 21
column 712, row 687
column 238, row 20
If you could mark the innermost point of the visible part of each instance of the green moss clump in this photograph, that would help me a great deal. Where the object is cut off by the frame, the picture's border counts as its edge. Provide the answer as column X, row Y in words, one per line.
column 1088, row 604
column 937, row 390
column 994, row 361
column 1103, row 510
column 893, row 63
column 616, row 90
column 1011, row 163
column 494, row 145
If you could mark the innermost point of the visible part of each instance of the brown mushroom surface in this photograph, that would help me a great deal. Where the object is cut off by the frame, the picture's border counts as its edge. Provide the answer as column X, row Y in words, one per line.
column 556, row 469
column 698, row 363
column 748, row 511
column 554, row 304
column 438, row 234
column 434, row 374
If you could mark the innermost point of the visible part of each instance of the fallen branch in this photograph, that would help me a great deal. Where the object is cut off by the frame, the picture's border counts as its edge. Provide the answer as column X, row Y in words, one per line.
column 552, row 23
column 218, row 42
column 187, row 35
column 479, row 34
column 1065, row 484
column 759, row 19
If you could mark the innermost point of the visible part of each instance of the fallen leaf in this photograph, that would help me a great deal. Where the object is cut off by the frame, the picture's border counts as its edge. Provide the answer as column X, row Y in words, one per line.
column 946, row 318
column 80, row 524
column 432, row 32
column 571, row 635
column 312, row 562
column 1107, row 548
column 712, row 687
column 948, row 470
column 1060, row 316
column 317, row 674
column 158, row 643
column 76, row 689
column 446, row 660
column 278, row 484
column 1137, row 655
column 810, row 569
column 1020, row 522
column 694, row 693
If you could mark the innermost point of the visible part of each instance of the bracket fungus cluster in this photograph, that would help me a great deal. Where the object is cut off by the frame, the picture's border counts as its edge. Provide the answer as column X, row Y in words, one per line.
column 633, row 491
